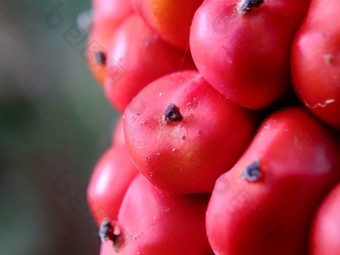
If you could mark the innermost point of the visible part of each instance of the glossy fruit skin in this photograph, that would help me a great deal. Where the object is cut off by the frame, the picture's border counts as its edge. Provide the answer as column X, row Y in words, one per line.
column 106, row 248
column 189, row 155
column 171, row 19
column 111, row 178
column 137, row 57
column 299, row 164
column 325, row 232
column 316, row 61
column 108, row 15
column 152, row 221
column 247, row 56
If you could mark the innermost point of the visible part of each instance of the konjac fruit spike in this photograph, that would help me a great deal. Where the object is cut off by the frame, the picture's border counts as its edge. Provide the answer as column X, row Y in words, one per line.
column 137, row 57
column 316, row 61
column 171, row 19
column 110, row 180
column 242, row 47
column 325, row 231
column 152, row 221
column 182, row 134
column 264, row 205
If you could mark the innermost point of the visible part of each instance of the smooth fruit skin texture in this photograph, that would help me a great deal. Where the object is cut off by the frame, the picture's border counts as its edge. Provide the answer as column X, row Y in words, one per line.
column 152, row 221
column 299, row 164
column 246, row 56
column 316, row 61
column 137, row 57
column 111, row 178
column 106, row 248
column 110, row 13
column 325, row 231
column 169, row 18
column 185, row 156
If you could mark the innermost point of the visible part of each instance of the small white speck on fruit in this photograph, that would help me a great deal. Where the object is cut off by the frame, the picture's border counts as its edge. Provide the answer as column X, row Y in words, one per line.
column 323, row 105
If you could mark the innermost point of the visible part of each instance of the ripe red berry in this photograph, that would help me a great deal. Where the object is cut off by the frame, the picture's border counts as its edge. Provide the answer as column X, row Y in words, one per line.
column 315, row 61
column 242, row 47
column 138, row 56
column 265, row 203
column 153, row 221
column 109, row 182
column 108, row 15
column 184, row 134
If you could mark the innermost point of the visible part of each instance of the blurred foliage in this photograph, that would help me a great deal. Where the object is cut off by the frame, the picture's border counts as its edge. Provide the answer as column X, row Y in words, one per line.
column 54, row 124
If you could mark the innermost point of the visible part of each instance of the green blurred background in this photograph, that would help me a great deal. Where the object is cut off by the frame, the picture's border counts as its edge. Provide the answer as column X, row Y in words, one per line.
column 54, row 124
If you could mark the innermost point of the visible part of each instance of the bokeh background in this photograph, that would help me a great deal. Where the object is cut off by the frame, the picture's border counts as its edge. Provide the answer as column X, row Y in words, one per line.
column 54, row 124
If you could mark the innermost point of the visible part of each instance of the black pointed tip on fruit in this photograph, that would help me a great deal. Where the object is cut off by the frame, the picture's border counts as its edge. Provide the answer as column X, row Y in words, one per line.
column 105, row 230
column 172, row 114
column 108, row 231
column 252, row 172
column 100, row 57
column 245, row 6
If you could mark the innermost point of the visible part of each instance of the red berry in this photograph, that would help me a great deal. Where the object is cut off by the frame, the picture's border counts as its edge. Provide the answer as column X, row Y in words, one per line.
column 109, row 182
column 137, row 57
column 186, row 134
column 316, row 61
column 265, row 203
column 152, row 221
column 242, row 47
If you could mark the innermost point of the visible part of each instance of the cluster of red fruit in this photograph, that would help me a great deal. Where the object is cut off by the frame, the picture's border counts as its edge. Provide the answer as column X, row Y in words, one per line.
column 214, row 154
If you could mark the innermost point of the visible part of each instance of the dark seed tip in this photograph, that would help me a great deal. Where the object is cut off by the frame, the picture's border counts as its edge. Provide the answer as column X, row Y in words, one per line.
column 105, row 231
column 109, row 231
column 245, row 6
column 252, row 172
column 100, row 57
column 172, row 114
